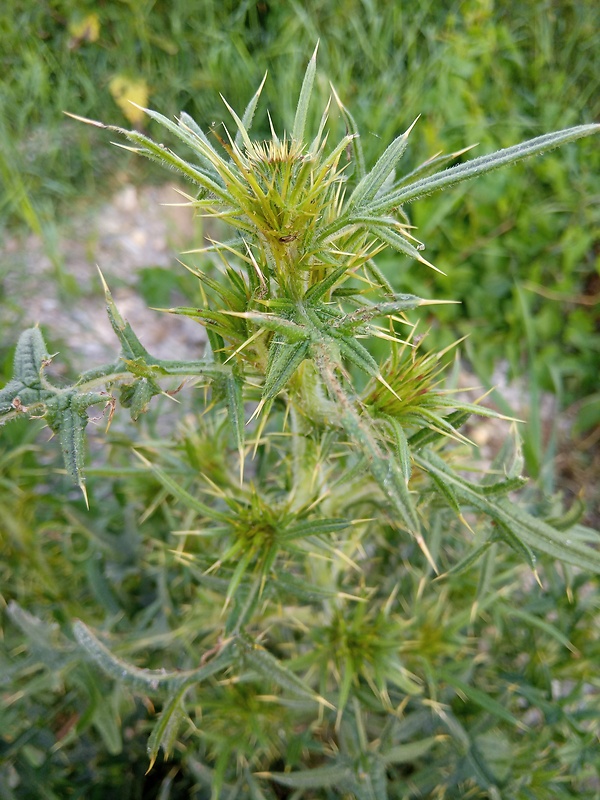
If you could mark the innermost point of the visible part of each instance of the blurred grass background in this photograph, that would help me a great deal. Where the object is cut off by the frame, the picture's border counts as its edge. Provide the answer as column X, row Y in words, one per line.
column 521, row 250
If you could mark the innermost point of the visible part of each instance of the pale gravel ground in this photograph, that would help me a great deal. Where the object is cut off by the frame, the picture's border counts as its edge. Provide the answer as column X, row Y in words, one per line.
column 131, row 231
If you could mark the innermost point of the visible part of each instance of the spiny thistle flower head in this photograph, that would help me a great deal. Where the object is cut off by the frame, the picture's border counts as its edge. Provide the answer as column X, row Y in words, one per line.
column 273, row 160
column 283, row 189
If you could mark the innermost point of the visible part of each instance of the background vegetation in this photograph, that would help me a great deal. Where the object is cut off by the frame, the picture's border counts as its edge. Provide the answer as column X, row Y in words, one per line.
column 520, row 250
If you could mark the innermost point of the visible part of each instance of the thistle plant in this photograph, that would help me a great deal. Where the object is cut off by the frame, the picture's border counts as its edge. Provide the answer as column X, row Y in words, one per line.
column 339, row 520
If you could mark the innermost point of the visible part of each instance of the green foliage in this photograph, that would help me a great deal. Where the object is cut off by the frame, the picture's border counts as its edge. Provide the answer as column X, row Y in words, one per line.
column 302, row 581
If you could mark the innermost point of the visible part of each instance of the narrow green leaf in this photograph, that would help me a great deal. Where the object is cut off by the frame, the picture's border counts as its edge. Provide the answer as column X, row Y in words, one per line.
column 44, row 636
column 289, row 585
column 427, row 167
column 516, row 462
column 530, row 531
column 30, row 352
column 256, row 792
column 401, row 446
column 165, row 730
column 315, row 527
column 481, row 165
column 318, row 142
column 462, row 740
column 374, row 785
column 67, row 417
column 472, row 408
column 409, row 753
column 216, row 343
column 427, row 436
column 263, row 662
column 541, row 624
column 291, row 331
column 402, row 678
column 435, row 421
column 191, row 136
column 317, row 778
column 155, row 152
column 132, row 347
column 486, row 575
column 249, row 112
column 352, row 130
column 383, row 467
column 378, row 277
column 403, row 302
column 238, row 573
column 370, row 184
column 157, row 367
column 108, row 725
column 232, row 299
column 330, row 163
column 465, row 563
column 241, row 128
column 398, row 242
column 235, row 409
column 100, row 585
column 175, row 488
column 145, row 680
column 570, row 517
column 481, row 699
column 217, row 322
column 189, row 123
column 304, row 99
column 447, row 492
column 320, row 289
column 357, row 354
column 507, row 534
column 284, row 360
column 503, row 487
column 244, row 605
